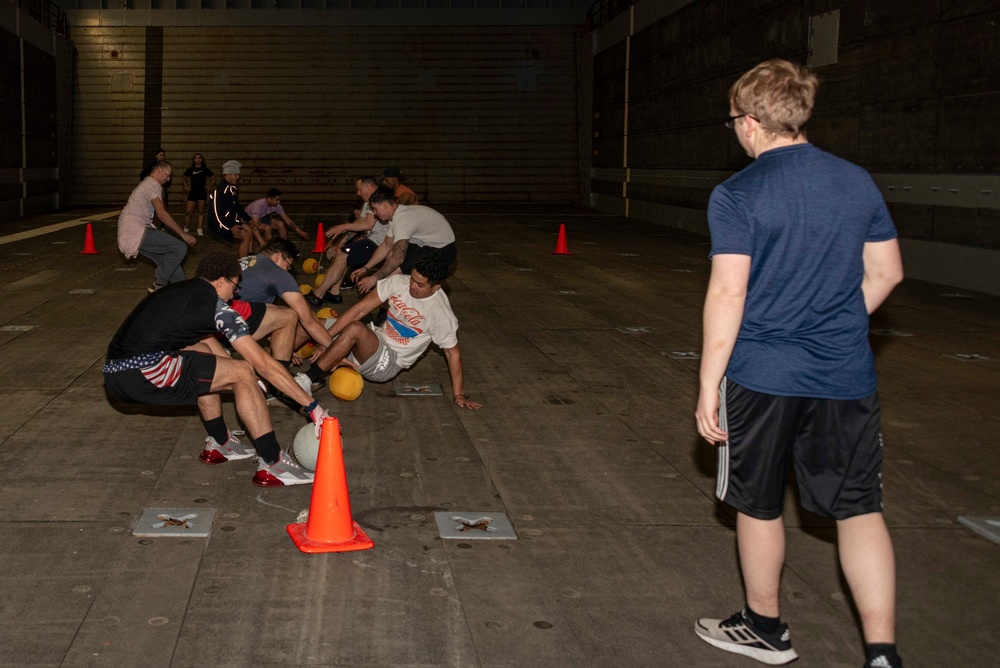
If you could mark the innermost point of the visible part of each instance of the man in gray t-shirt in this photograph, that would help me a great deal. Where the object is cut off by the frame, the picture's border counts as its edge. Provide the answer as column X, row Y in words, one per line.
column 414, row 232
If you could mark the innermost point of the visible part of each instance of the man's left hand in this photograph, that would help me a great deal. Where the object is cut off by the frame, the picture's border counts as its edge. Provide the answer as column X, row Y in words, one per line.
column 463, row 401
column 365, row 284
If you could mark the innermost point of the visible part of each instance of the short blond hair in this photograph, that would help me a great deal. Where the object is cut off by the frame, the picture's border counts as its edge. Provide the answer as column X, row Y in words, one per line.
column 779, row 94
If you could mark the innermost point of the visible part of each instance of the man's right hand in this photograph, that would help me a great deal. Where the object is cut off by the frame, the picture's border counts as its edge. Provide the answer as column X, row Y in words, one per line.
column 358, row 274
column 189, row 239
column 317, row 414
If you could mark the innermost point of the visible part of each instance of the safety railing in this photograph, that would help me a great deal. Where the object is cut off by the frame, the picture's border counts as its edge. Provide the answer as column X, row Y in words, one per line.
column 47, row 13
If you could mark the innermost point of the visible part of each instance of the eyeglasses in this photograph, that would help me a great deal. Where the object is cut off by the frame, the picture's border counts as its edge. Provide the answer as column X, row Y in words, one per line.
column 236, row 285
column 731, row 120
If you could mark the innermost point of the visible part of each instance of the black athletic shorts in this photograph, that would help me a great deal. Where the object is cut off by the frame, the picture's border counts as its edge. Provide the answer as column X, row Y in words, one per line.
column 836, row 446
column 252, row 312
column 359, row 252
column 176, row 378
column 415, row 253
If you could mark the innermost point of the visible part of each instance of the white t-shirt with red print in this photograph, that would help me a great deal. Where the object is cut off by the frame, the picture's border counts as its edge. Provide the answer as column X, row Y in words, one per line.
column 412, row 324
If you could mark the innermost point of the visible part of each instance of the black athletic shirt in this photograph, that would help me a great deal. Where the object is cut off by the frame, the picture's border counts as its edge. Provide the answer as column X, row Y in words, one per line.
column 198, row 177
column 175, row 317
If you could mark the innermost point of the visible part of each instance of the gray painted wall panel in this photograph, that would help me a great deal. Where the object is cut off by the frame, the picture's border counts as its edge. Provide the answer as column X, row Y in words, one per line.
column 913, row 93
column 468, row 114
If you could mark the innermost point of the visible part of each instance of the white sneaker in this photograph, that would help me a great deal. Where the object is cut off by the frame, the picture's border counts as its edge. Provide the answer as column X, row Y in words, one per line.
column 200, row 233
column 231, row 450
column 283, row 472
column 305, row 383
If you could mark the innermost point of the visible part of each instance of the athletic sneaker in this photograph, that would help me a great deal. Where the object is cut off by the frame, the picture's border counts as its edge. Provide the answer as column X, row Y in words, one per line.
column 283, row 472
column 268, row 395
column 306, row 383
column 231, row 450
column 883, row 661
column 200, row 233
column 313, row 300
column 738, row 634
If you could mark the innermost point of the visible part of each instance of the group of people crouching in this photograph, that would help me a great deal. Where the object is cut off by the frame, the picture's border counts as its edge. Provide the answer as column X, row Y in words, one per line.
column 180, row 345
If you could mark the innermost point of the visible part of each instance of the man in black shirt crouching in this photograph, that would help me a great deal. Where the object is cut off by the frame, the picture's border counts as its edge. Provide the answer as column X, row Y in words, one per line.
column 166, row 353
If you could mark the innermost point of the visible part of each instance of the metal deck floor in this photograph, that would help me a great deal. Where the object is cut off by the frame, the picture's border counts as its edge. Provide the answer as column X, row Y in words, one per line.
column 586, row 441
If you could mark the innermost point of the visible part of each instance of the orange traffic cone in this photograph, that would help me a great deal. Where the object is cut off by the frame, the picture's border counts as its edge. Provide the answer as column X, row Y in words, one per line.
column 329, row 527
column 561, row 247
column 88, row 242
column 320, row 239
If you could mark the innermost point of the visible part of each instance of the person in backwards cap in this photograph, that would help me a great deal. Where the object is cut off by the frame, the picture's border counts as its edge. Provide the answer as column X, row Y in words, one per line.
column 394, row 179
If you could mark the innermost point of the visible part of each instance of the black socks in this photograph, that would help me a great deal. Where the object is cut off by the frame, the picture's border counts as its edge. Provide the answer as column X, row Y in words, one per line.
column 316, row 374
column 876, row 656
column 765, row 624
column 267, row 447
column 216, row 428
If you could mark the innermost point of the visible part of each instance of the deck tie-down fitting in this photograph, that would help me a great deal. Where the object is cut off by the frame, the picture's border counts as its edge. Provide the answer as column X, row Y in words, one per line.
column 478, row 524
column 184, row 521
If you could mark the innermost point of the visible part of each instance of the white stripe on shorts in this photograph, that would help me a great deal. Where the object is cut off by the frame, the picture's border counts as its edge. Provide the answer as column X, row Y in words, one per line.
column 722, row 470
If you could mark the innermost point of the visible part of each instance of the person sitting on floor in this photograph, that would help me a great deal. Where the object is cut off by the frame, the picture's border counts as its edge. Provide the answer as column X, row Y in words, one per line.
column 419, row 313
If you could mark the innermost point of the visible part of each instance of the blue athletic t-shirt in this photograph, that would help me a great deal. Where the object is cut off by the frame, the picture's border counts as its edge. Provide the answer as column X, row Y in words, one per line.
column 263, row 281
column 803, row 216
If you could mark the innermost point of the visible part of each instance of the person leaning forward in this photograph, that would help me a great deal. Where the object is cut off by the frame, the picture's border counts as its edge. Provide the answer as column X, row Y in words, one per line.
column 166, row 353
column 227, row 218
column 414, row 232
column 138, row 236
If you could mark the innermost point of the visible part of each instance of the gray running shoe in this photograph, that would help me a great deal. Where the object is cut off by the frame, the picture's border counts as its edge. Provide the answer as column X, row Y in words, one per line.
column 283, row 472
column 231, row 450
column 738, row 635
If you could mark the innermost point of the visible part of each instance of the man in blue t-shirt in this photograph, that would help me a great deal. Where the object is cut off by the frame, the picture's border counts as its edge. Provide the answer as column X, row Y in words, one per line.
column 803, row 250
column 266, row 277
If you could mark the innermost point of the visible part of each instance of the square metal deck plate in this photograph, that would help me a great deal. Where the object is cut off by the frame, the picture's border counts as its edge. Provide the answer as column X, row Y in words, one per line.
column 417, row 390
column 968, row 357
column 189, row 522
column 474, row 525
column 987, row 527
column 682, row 354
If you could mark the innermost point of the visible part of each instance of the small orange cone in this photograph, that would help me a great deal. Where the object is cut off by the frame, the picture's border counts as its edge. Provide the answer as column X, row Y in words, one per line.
column 329, row 527
column 320, row 239
column 561, row 247
column 88, row 242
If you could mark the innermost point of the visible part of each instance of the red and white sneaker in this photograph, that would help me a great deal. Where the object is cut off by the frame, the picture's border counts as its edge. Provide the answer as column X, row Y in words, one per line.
column 285, row 471
column 231, row 450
